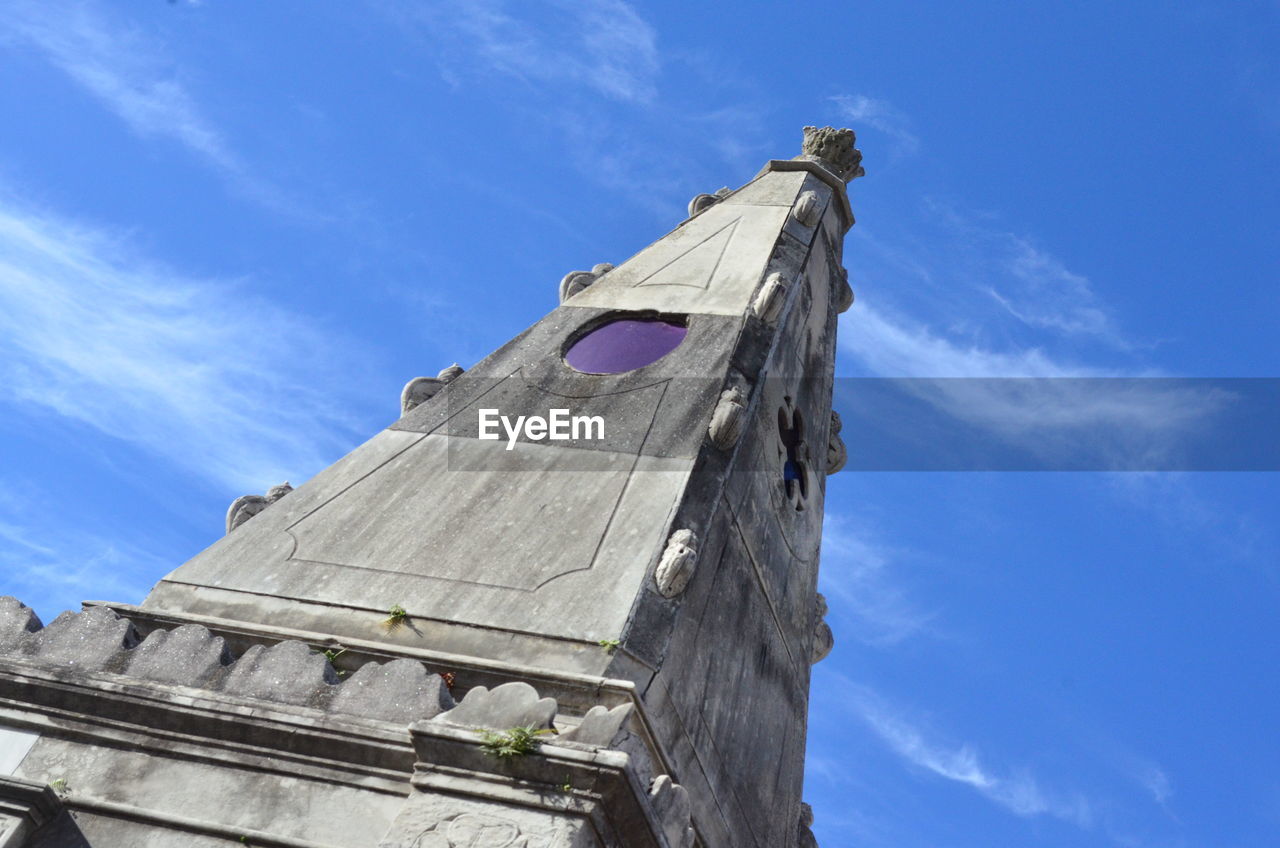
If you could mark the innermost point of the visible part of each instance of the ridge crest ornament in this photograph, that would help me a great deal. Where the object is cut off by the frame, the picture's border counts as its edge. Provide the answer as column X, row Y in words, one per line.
column 834, row 150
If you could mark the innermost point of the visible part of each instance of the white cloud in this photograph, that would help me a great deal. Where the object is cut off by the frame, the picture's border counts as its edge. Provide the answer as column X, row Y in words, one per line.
column 861, row 110
column 858, row 575
column 600, row 45
column 203, row 373
column 1016, row 790
column 122, row 70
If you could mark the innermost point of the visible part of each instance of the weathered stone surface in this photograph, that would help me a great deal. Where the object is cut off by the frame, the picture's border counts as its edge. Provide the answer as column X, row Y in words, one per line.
column 401, row 691
column 289, row 672
column 804, row 836
column 600, row 727
column 506, row 706
column 84, row 641
column 188, row 656
column 17, row 622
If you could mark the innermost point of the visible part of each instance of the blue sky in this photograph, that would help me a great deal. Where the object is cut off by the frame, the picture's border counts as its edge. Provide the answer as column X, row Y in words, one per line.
column 230, row 232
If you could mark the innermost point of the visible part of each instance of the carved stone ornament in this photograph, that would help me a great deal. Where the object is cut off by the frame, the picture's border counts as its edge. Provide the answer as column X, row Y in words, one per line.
column 702, row 202
column 823, row 639
column 727, row 420
column 247, row 506
column 844, row 292
column 805, row 837
column 770, row 298
column 670, row 801
column 677, row 564
column 577, row 281
column 834, row 150
column 808, row 209
column 419, row 390
column 837, row 453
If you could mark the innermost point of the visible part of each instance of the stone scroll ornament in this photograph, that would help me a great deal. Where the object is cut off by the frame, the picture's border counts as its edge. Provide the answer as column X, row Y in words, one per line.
column 577, row 281
column 679, row 559
column 823, row 639
column 728, row 418
column 834, row 150
column 419, row 390
column 769, row 300
column 837, row 453
column 247, row 506
column 702, row 202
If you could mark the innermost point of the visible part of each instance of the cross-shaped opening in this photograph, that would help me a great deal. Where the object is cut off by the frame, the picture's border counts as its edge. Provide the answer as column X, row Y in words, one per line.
column 795, row 460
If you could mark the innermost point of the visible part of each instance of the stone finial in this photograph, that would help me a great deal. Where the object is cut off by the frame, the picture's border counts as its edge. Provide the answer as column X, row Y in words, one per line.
column 576, row 281
column 834, row 150
column 677, row 564
column 247, row 506
column 419, row 390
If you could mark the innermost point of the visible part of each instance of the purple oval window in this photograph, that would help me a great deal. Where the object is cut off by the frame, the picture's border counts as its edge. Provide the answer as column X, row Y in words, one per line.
column 624, row 344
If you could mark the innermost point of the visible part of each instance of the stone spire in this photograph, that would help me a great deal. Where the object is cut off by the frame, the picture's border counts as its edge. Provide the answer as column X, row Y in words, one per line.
column 645, row 585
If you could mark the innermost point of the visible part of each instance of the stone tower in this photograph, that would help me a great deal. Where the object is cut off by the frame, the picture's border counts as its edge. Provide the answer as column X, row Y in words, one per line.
column 471, row 633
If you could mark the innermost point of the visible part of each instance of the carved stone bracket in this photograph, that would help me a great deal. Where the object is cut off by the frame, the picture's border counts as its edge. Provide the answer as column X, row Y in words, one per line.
column 419, row 390
column 678, row 562
column 823, row 639
column 769, row 300
column 728, row 418
column 702, row 202
column 247, row 506
column 577, row 281
column 837, row 453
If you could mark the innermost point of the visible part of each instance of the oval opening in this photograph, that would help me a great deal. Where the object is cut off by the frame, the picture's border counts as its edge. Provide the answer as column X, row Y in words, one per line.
column 625, row 344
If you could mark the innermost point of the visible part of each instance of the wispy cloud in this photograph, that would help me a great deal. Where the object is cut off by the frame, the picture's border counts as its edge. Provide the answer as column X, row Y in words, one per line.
column 1016, row 790
column 863, row 111
column 858, row 575
column 203, row 373
column 604, row 46
column 133, row 78
column 122, row 69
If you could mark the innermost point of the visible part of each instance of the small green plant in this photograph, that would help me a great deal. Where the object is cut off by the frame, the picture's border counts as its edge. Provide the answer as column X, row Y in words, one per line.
column 59, row 785
column 567, row 786
column 515, row 742
column 610, row 645
column 395, row 617
column 332, row 655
